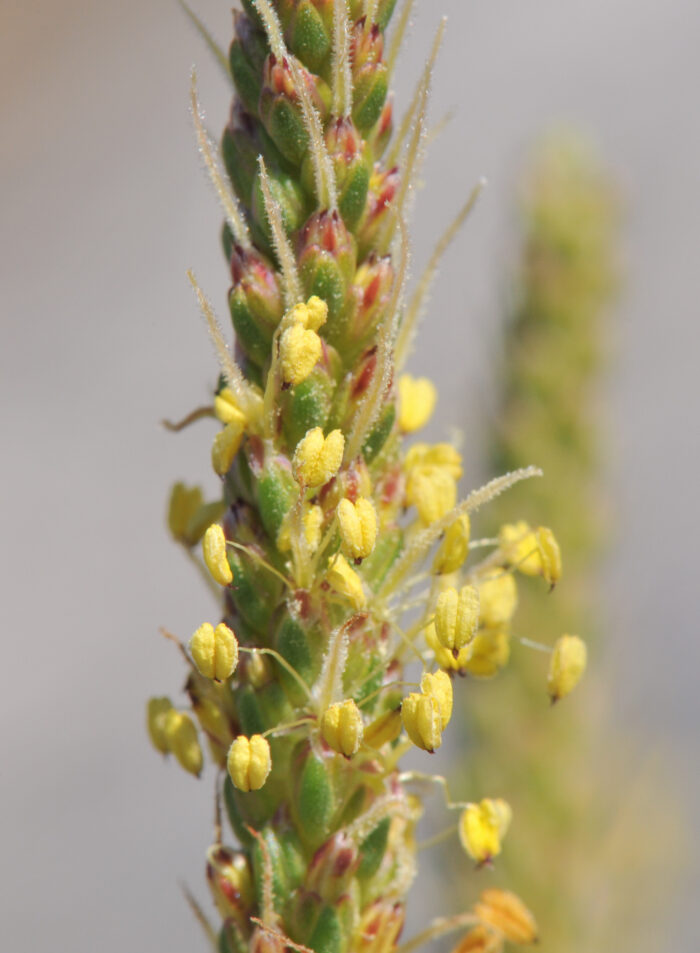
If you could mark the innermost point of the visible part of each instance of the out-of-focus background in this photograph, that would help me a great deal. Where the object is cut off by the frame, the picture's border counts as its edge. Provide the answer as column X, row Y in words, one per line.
column 103, row 207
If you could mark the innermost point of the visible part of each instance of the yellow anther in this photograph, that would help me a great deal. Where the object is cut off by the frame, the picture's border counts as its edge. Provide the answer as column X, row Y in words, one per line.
column 433, row 491
column 550, row 555
column 482, row 828
column 488, row 653
column 184, row 503
column 317, row 458
column 226, row 408
column 439, row 686
column 457, row 617
column 341, row 727
column 157, row 711
column 442, row 455
column 299, row 352
column 520, row 547
column 566, row 666
column 344, row 580
column 214, row 552
column 259, row 670
column 417, row 397
column 358, row 527
column 422, row 720
column 498, row 596
column 215, row 651
column 454, row 548
column 384, row 729
column 249, row 762
column 444, row 657
column 312, row 521
column 225, row 447
column 506, row 912
column 181, row 736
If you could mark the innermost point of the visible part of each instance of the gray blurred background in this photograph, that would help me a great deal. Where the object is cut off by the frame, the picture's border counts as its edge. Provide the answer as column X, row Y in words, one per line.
column 103, row 207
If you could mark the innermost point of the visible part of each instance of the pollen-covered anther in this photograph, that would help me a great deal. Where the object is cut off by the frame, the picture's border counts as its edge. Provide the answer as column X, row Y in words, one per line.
column 454, row 548
column 520, row 547
column 482, row 828
column 422, row 720
column 444, row 657
column 214, row 651
column 345, row 581
column 439, row 687
column 566, row 666
column 358, row 527
column 506, row 913
column 300, row 350
column 249, row 762
column 417, row 399
column 342, row 727
column 457, row 617
column 214, row 552
column 225, row 447
column 317, row 458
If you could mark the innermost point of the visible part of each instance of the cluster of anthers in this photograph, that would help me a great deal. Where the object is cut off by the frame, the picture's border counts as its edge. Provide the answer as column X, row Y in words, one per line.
column 341, row 550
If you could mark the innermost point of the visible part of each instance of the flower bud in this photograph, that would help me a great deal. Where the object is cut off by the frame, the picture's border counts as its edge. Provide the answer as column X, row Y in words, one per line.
column 369, row 73
column 156, row 712
column 358, row 527
column 498, row 598
column 246, row 58
column 457, row 617
column 341, row 727
column 230, row 881
column 380, row 927
column 383, row 186
column 566, row 667
column 215, row 651
column 482, row 828
column 327, row 262
column 417, row 397
column 249, row 762
column 439, row 687
column 255, row 303
column 371, row 291
column 225, row 447
column 422, row 720
column 384, row 729
column 280, row 111
column 506, row 912
column 333, row 867
column 299, row 352
column 317, row 458
column 345, row 581
column 352, row 165
column 181, row 737
column 290, row 197
column 308, row 34
column 214, row 552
